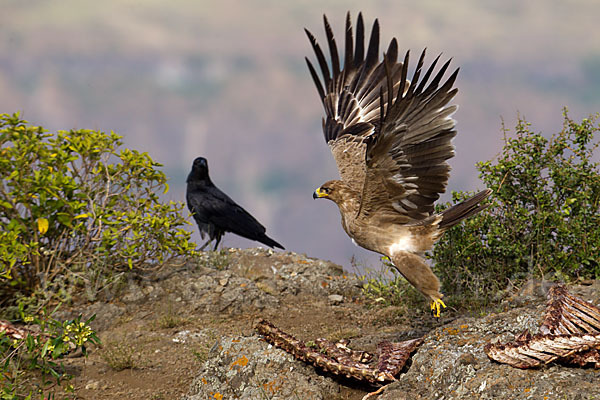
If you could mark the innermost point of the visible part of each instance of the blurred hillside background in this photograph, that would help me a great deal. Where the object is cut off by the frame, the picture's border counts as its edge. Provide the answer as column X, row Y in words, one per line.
column 227, row 80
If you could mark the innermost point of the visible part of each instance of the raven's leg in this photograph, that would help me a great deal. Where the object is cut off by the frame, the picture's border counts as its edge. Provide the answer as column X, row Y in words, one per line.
column 205, row 244
column 219, row 236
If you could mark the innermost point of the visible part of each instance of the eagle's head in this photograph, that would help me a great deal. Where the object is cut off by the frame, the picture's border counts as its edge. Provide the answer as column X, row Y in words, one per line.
column 335, row 191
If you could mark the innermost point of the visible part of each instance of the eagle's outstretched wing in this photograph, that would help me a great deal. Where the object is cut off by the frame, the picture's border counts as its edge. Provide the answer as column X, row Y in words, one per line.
column 351, row 95
column 391, row 149
column 406, row 157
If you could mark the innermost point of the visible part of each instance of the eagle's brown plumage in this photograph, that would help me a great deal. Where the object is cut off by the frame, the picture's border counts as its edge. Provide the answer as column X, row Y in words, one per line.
column 390, row 138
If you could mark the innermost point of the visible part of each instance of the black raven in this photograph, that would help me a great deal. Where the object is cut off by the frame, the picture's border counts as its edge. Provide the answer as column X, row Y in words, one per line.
column 215, row 213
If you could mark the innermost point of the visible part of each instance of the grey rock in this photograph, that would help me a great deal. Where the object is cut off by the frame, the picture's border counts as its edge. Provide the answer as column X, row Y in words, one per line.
column 248, row 368
column 92, row 385
column 335, row 299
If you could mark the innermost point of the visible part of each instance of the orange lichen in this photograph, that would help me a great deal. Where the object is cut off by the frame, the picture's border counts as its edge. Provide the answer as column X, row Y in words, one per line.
column 242, row 362
column 451, row 331
column 271, row 387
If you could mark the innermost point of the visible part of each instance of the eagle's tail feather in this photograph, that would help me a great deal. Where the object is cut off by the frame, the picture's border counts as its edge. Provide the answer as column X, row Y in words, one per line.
column 460, row 211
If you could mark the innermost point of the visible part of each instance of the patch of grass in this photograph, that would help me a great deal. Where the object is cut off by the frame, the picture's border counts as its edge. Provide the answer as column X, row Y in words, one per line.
column 202, row 351
column 385, row 287
column 120, row 355
column 337, row 334
column 218, row 259
column 170, row 318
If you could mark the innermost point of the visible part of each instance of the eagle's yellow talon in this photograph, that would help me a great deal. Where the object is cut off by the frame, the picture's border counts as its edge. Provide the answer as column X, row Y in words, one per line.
column 436, row 307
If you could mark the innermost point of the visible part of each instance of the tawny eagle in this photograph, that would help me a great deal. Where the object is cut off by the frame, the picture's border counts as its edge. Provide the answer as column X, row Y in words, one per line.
column 390, row 137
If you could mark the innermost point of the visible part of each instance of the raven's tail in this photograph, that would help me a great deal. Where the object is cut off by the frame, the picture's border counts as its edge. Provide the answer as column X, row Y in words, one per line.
column 264, row 239
column 460, row 211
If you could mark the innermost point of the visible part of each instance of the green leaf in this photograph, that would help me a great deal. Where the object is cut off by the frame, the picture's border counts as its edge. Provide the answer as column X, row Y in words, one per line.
column 45, row 349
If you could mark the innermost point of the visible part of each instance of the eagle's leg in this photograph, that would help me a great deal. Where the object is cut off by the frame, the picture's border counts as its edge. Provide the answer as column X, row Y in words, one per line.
column 414, row 268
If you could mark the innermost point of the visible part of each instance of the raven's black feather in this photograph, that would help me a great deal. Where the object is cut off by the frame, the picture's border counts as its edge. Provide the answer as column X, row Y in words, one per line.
column 215, row 212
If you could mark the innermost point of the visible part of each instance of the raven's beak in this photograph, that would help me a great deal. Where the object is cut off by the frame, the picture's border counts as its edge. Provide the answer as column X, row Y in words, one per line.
column 319, row 193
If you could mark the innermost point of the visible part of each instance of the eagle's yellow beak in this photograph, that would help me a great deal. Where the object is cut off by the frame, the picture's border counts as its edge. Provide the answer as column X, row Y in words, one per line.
column 319, row 193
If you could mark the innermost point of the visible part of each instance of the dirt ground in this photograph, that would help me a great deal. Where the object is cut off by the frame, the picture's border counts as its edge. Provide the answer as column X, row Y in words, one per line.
column 152, row 346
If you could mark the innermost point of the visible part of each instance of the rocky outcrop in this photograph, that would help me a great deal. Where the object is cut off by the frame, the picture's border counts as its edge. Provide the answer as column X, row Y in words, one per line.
column 230, row 282
column 310, row 298
column 450, row 364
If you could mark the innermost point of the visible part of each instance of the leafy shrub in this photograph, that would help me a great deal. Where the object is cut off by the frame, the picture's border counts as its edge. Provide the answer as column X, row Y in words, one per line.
column 31, row 365
column 543, row 221
column 73, row 205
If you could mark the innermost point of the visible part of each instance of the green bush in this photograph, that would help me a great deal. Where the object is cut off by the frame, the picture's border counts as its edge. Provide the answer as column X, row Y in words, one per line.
column 543, row 221
column 74, row 206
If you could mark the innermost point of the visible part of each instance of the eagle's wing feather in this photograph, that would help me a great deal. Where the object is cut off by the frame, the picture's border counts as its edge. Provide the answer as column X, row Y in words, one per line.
column 350, row 95
column 390, row 138
column 406, row 157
